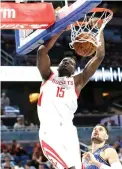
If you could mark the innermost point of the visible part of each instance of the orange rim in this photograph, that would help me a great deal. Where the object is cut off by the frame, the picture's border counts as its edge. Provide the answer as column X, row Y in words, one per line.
column 96, row 10
column 102, row 10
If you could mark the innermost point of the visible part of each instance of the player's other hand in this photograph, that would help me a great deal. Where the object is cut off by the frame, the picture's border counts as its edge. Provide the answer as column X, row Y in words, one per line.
column 89, row 158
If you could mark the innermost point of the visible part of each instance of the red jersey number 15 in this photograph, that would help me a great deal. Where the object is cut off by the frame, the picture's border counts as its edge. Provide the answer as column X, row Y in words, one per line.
column 60, row 92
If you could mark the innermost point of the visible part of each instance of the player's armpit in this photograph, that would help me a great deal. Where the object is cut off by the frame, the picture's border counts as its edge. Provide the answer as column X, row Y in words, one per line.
column 43, row 62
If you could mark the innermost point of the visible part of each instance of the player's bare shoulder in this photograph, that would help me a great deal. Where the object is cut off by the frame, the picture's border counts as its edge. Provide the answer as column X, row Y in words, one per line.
column 111, row 155
column 110, row 150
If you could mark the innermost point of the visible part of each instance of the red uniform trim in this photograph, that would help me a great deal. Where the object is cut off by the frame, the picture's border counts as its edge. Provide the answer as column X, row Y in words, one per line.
column 53, row 154
column 76, row 91
column 40, row 96
column 40, row 99
column 83, row 166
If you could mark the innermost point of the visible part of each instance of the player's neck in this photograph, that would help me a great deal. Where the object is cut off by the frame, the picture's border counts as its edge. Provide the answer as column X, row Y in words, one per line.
column 96, row 146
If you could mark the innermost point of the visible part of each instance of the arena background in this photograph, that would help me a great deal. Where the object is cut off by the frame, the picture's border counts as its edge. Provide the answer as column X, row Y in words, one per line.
column 100, row 101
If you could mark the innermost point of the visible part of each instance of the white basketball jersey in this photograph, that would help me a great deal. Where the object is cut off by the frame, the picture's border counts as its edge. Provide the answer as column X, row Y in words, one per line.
column 57, row 102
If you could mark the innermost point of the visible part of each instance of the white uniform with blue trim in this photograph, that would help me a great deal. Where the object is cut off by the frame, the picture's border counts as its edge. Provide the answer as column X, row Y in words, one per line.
column 56, row 107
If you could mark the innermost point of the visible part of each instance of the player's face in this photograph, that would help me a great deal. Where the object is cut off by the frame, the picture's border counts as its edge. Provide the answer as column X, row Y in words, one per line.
column 67, row 67
column 99, row 134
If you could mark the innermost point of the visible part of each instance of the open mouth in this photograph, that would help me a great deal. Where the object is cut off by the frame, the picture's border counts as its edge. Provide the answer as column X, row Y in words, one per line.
column 95, row 134
column 64, row 65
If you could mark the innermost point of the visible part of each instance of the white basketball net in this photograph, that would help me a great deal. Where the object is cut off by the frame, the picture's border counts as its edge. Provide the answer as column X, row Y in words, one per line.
column 79, row 28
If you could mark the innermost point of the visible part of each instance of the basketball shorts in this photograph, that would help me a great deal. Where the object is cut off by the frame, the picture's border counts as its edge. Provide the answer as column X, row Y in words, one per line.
column 61, row 146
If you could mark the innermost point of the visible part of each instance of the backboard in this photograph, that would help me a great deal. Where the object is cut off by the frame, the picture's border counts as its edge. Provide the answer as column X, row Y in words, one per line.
column 28, row 40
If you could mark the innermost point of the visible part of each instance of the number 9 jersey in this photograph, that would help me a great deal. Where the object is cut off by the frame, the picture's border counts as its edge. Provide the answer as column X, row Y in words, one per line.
column 57, row 101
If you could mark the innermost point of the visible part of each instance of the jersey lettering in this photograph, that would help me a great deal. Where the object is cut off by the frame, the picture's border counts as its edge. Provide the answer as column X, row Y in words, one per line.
column 62, row 82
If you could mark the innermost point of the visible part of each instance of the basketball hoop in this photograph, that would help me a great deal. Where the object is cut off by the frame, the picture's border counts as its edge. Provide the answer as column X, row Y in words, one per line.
column 93, row 31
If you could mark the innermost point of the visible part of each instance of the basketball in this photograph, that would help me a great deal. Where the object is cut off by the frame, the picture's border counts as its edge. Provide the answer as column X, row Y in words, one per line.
column 85, row 48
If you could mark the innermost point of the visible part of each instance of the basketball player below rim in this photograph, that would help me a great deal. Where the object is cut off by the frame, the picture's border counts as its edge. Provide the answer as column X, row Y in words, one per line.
column 57, row 104
column 101, row 155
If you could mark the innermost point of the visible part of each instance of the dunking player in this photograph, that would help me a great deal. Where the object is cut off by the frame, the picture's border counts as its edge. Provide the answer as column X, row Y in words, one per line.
column 103, row 156
column 57, row 104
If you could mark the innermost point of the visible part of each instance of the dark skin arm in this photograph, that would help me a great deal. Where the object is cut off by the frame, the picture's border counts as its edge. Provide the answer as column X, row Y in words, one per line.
column 43, row 60
column 82, row 78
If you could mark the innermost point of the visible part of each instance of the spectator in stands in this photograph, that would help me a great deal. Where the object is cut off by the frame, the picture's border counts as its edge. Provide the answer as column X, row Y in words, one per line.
column 113, row 123
column 5, row 154
column 116, row 147
column 5, row 101
column 43, row 166
column 3, row 146
column 19, row 166
column 109, row 124
column 19, row 124
column 120, row 155
column 35, row 161
column 38, row 160
column 28, row 165
column 29, row 126
column 33, row 127
column 3, row 127
column 13, row 147
column 8, row 164
column 37, row 150
column 26, row 123
column 119, row 141
column 20, row 151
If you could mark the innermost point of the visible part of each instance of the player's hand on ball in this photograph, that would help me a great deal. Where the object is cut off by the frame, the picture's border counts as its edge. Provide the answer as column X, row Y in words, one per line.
column 90, row 159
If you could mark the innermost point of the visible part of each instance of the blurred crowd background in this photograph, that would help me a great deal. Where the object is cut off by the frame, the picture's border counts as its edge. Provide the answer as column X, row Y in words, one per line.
column 30, row 156
column 99, row 102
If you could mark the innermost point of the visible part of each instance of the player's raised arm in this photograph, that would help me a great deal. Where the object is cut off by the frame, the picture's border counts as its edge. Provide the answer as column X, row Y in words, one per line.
column 82, row 78
column 43, row 60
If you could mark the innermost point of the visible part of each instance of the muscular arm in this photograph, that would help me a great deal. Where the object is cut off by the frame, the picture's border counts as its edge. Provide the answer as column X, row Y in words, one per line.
column 112, row 157
column 43, row 60
column 82, row 78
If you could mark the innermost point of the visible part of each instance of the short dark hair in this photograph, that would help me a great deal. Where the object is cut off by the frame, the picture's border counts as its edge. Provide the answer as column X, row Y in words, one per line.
column 71, row 57
column 104, row 127
column 74, row 58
